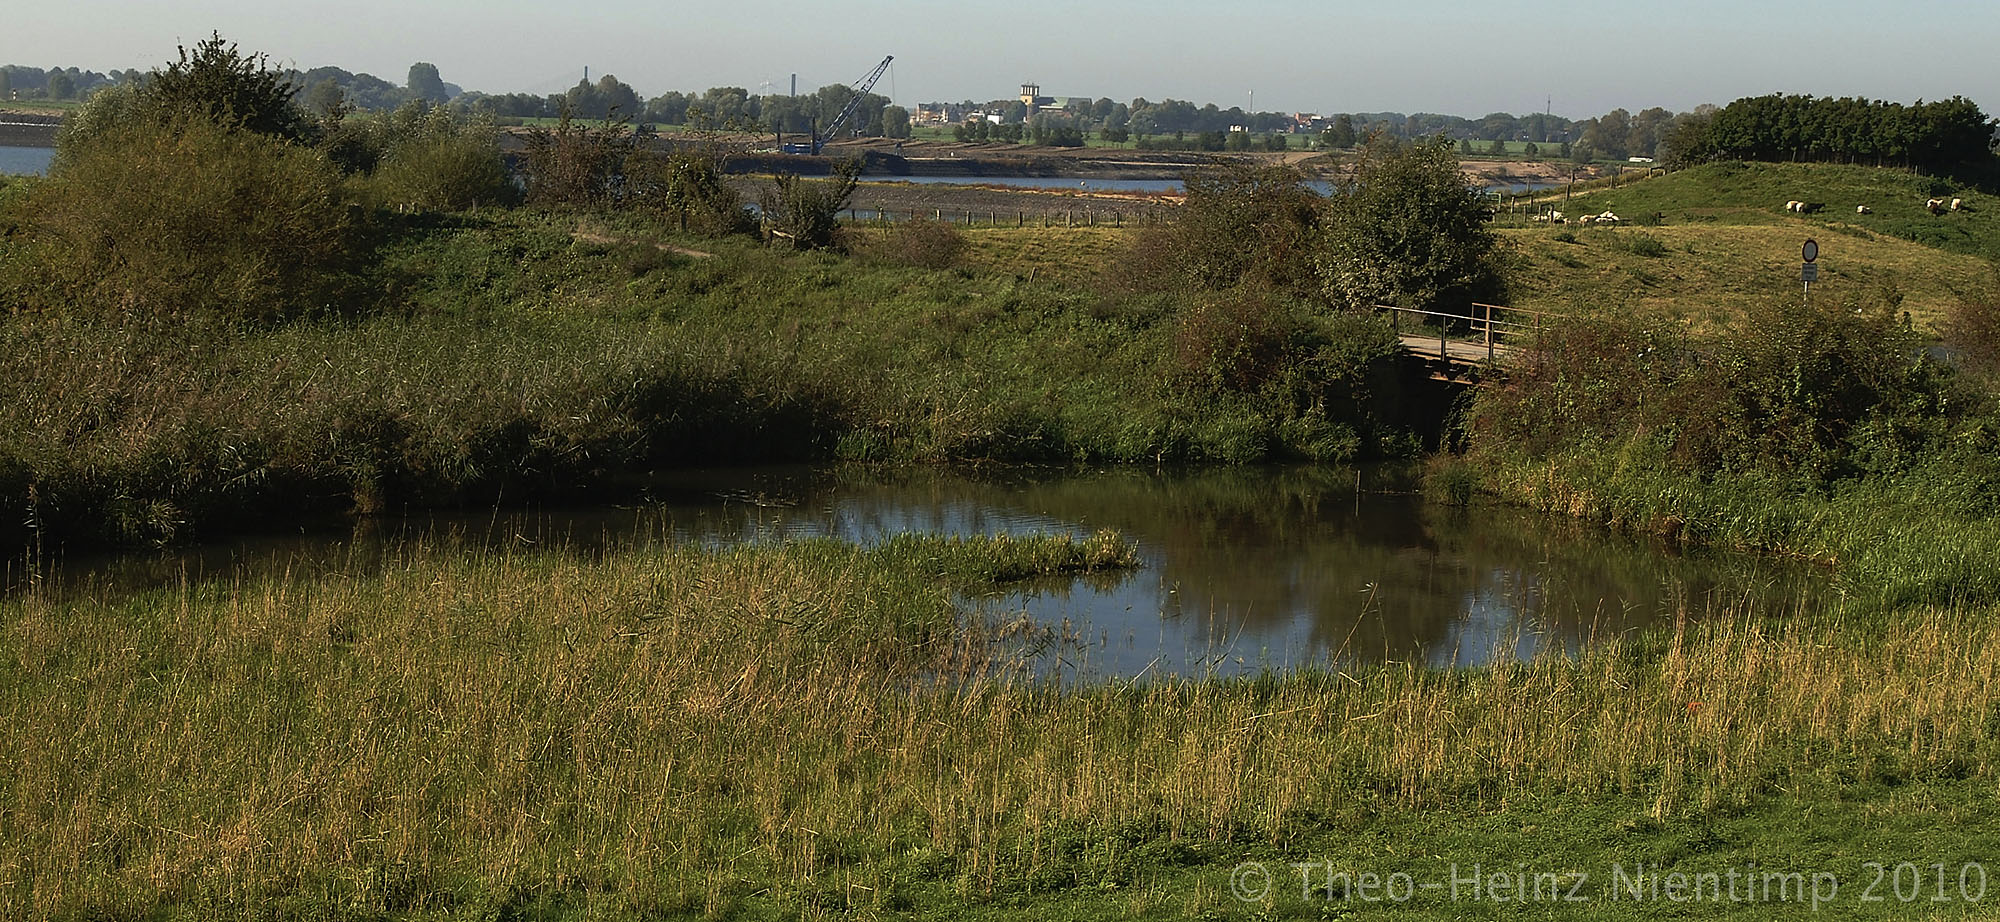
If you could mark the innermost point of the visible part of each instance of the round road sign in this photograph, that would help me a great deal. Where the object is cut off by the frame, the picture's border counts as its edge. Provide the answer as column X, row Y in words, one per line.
column 1810, row 251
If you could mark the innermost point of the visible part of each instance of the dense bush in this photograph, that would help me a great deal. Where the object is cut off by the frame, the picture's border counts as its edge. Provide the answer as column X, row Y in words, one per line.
column 578, row 164
column 688, row 188
column 150, row 218
column 433, row 159
column 806, row 212
column 923, row 244
column 1795, row 391
column 1238, row 224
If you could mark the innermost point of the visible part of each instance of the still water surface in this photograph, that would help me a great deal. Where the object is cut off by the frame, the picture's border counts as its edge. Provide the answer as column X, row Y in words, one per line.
column 25, row 161
column 1244, row 568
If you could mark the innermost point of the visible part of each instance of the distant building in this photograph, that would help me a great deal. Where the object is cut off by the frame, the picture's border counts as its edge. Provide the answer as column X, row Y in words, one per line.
column 938, row 113
column 1031, row 96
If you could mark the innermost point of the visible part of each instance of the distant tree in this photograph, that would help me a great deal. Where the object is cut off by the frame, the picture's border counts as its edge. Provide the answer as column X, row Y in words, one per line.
column 1608, row 133
column 1340, row 135
column 895, row 122
column 1498, row 148
column 61, row 86
column 1406, row 229
column 1531, row 150
column 6, row 85
column 326, row 100
column 670, row 108
column 1465, row 147
column 1581, row 152
column 1116, row 135
column 425, row 84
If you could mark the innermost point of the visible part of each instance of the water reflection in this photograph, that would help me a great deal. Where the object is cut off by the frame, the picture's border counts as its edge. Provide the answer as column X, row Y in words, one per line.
column 1245, row 568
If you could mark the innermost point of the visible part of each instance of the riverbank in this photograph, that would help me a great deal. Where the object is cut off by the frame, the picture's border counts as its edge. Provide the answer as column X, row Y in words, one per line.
column 532, row 355
column 782, row 730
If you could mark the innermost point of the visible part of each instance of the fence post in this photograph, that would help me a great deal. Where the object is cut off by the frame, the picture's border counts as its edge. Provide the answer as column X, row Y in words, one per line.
column 1489, row 333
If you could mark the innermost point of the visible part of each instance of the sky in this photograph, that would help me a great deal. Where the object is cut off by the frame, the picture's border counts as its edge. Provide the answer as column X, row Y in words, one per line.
column 1460, row 58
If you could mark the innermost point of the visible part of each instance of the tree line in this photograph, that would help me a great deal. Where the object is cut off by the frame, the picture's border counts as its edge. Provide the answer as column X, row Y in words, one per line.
column 1938, row 135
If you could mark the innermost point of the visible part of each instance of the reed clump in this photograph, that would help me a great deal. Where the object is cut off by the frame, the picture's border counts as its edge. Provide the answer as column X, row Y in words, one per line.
column 803, row 727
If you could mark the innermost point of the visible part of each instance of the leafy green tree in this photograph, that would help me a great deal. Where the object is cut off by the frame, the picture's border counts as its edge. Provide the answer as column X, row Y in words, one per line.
column 1465, row 147
column 6, row 85
column 1498, row 148
column 1406, row 229
column 1531, row 150
column 1340, row 135
column 217, row 83
column 425, row 84
column 895, row 122
column 61, row 86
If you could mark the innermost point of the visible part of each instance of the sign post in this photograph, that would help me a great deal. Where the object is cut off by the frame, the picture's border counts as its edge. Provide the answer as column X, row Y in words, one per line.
column 1809, row 271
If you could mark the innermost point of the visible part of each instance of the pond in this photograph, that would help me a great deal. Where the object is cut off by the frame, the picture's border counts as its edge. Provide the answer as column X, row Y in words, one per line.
column 1244, row 569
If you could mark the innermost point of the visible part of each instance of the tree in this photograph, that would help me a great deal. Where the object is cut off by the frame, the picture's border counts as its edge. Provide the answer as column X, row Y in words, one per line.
column 1340, row 135
column 6, row 85
column 425, row 84
column 327, row 100
column 1498, row 148
column 61, row 86
column 895, row 122
column 216, row 83
column 1406, row 229
column 1465, row 147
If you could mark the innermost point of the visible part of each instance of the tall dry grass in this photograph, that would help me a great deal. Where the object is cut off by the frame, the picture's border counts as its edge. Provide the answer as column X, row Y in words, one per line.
column 688, row 730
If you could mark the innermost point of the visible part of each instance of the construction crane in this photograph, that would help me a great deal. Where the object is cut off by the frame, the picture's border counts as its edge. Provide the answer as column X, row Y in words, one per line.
column 846, row 112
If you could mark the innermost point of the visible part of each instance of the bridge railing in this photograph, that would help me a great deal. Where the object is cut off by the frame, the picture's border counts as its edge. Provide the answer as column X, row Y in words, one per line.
column 1485, row 321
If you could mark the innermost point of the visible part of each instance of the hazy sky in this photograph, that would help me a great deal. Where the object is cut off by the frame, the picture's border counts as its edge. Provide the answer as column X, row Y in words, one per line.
column 1461, row 58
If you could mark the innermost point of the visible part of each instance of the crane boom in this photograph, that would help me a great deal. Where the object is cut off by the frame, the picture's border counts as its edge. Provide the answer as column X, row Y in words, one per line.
column 854, row 104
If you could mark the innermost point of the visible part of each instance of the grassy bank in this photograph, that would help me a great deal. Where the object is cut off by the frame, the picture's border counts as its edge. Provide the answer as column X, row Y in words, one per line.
column 802, row 729
column 516, row 354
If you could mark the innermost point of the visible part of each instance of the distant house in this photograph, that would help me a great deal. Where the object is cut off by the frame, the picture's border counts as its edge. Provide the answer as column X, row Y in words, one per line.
column 938, row 113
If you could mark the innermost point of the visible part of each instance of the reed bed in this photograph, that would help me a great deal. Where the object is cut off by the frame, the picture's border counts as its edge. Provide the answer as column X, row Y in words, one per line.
column 811, row 726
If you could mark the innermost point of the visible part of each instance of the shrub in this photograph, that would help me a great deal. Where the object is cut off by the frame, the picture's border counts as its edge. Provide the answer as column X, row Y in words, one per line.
column 924, row 244
column 689, row 189
column 1238, row 224
column 157, row 219
column 805, row 213
column 1645, row 245
column 435, row 160
column 576, row 164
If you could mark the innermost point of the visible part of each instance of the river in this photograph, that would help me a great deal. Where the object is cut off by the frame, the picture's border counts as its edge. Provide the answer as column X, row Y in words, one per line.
column 1245, row 569
column 25, row 161
column 1165, row 186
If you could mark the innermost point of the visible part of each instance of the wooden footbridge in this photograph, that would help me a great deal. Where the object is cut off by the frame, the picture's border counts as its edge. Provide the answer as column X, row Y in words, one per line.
column 1453, row 343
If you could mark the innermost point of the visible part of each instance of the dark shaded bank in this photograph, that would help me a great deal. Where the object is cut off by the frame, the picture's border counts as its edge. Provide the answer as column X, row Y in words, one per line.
column 517, row 356
column 20, row 130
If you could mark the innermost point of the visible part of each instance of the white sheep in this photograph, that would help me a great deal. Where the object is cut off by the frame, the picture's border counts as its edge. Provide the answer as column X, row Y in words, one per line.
column 1863, row 209
column 1935, row 206
column 1957, row 203
column 1793, row 206
column 1608, row 218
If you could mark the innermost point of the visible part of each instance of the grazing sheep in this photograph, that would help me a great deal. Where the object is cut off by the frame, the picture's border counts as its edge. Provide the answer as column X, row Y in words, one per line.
column 1793, row 206
column 1811, row 207
column 1863, row 209
column 1957, row 204
column 1935, row 206
column 1608, row 218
